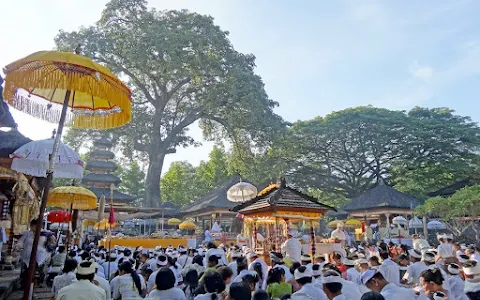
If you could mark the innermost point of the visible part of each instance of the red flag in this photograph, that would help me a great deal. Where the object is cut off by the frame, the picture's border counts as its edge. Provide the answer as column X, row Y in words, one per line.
column 111, row 217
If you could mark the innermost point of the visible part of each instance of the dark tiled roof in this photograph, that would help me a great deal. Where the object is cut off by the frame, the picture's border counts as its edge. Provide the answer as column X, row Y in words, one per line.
column 452, row 189
column 6, row 118
column 102, row 154
column 283, row 196
column 216, row 198
column 103, row 141
column 169, row 206
column 10, row 141
column 92, row 177
column 99, row 164
column 382, row 196
column 117, row 195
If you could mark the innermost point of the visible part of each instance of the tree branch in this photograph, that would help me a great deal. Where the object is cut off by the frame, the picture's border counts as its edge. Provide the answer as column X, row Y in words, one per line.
column 178, row 86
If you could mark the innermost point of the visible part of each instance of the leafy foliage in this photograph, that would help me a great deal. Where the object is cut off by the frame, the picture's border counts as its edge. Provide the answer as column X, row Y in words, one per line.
column 182, row 69
column 133, row 180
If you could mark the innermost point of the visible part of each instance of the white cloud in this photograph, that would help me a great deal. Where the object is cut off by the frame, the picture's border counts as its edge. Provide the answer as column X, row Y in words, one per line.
column 421, row 72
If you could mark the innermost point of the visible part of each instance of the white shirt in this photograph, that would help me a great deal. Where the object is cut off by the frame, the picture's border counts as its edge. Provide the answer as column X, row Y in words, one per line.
column 457, row 286
column 233, row 267
column 151, row 281
column 413, row 272
column 207, row 296
column 200, row 269
column 208, row 236
column 288, row 274
column 240, row 275
column 293, row 249
column 26, row 242
column 445, row 284
column 81, row 290
column 420, row 244
column 339, row 234
column 351, row 290
column 340, row 297
column 217, row 252
column 352, row 275
column 61, row 281
column 309, row 289
column 390, row 271
column 103, row 283
column 393, row 292
column 113, row 268
column 178, row 276
column 264, row 271
column 241, row 240
column 445, row 250
column 170, row 294
column 475, row 256
column 184, row 260
column 124, row 286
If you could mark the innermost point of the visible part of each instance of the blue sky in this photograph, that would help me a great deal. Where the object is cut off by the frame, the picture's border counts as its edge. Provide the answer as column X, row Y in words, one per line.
column 314, row 56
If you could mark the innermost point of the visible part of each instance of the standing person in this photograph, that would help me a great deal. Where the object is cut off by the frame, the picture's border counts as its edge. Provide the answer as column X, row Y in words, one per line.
column 68, row 276
column 457, row 285
column 254, row 259
column 128, row 284
column 165, row 286
column 292, row 248
column 389, row 268
column 339, row 234
column 304, row 278
column 374, row 280
column 233, row 265
column 207, row 236
column 83, row 288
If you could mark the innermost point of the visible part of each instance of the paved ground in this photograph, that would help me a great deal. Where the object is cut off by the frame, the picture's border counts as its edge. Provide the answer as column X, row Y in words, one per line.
column 10, row 288
column 38, row 294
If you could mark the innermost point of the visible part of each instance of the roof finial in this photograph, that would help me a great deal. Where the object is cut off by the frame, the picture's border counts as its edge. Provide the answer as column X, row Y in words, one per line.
column 281, row 182
column 78, row 49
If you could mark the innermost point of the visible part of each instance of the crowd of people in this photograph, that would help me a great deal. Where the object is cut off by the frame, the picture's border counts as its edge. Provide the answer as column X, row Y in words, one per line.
column 368, row 272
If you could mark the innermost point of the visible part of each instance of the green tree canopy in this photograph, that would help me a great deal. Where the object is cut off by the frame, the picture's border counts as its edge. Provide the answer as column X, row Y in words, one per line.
column 182, row 69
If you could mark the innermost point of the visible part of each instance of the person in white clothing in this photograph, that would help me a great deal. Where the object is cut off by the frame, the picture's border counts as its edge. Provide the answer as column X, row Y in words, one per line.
column 233, row 265
column 304, row 278
column 429, row 260
column 128, row 284
column 184, row 259
column 349, row 289
column 416, row 268
column 164, row 283
column 277, row 262
column 389, row 269
column 292, row 248
column 162, row 261
column 374, row 280
column 68, row 276
column 332, row 287
column 214, row 285
column 111, row 265
column 432, row 281
column 83, row 288
column 457, row 285
column 352, row 273
column 339, row 234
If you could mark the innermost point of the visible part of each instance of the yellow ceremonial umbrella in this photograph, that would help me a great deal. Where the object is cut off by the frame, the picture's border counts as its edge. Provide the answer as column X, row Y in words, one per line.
column 72, row 197
column 103, row 225
column 174, row 221
column 333, row 224
column 353, row 223
column 187, row 225
column 88, row 222
column 45, row 84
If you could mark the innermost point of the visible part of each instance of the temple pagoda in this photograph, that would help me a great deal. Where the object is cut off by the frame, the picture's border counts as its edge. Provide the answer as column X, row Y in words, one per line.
column 100, row 177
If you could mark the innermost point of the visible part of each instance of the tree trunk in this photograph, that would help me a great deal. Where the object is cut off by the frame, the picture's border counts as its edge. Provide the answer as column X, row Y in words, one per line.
column 154, row 173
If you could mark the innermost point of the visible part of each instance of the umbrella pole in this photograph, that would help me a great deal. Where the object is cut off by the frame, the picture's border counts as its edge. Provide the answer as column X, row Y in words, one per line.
column 28, row 288
column 68, row 227
column 109, row 237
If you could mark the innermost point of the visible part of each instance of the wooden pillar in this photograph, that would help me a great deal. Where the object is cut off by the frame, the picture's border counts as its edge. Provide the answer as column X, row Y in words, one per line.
column 425, row 227
column 312, row 240
column 277, row 235
column 254, row 235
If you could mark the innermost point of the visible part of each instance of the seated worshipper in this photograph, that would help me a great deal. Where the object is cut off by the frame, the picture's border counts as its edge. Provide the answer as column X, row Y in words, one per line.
column 337, row 260
column 349, row 289
column 471, row 269
column 432, row 281
column 176, row 269
column 276, row 285
column 162, row 262
column 239, row 291
column 292, row 280
column 419, row 243
column 56, row 264
column 307, row 261
column 190, row 287
column 292, row 248
column 197, row 265
column 362, row 265
column 374, row 262
column 260, row 295
column 320, row 259
column 262, row 277
column 352, row 273
column 374, row 280
column 317, row 275
column 457, row 285
column 67, row 276
column 277, row 261
column 412, row 276
column 372, row 296
column 446, row 254
column 241, row 269
column 262, row 271
column 215, row 287
column 83, row 288
column 165, row 286
column 429, row 260
column 128, row 285
column 389, row 268
column 332, row 286
column 102, row 282
column 213, row 250
column 304, row 278
column 251, row 280
column 184, row 259
column 227, row 275
column 213, row 265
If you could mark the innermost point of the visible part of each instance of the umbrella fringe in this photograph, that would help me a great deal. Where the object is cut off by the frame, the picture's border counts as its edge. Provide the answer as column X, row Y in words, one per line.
column 39, row 108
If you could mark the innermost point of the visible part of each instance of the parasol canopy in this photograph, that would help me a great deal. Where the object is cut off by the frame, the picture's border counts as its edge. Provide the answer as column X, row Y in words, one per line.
column 103, row 225
column 241, row 192
column 42, row 82
column 174, row 221
column 399, row 220
column 33, row 159
column 353, row 223
column 59, row 216
column 88, row 222
column 128, row 224
column 415, row 223
column 436, row 225
column 333, row 224
column 187, row 225
column 76, row 197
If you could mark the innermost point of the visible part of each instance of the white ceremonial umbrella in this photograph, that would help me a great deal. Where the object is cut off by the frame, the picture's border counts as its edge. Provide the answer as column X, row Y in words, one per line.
column 33, row 159
column 436, row 225
column 415, row 223
column 241, row 192
column 399, row 220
